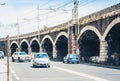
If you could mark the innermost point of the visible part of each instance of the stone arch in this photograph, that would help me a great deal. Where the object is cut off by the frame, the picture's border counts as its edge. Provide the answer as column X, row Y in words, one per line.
column 26, row 47
column 36, row 46
column 92, row 28
column 89, row 42
column 14, row 42
column 61, row 45
column 60, row 34
column 47, row 45
column 49, row 37
column 14, row 47
column 115, row 21
column 24, row 40
column 33, row 40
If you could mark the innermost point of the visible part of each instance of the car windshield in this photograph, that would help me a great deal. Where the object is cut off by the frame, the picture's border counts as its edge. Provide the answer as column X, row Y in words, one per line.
column 73, row 56
column 41, row 56
column 22, row 53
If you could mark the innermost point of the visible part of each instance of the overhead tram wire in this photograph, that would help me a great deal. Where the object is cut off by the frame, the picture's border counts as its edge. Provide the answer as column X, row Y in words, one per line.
column 63, row 2
column 39, row 6
column 64, row 5
column 46, row 9
column 57, row 8
column 46, row 3
column 87, row 2
column 49, row 11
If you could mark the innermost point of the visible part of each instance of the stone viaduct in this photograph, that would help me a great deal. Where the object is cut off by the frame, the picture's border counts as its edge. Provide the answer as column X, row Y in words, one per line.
column 98, row 35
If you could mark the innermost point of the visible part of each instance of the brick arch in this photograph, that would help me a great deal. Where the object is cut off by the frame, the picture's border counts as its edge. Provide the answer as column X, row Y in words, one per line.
column 110, row 26
column 33, row 40
column 49, row 37
column 24, row 40
column 15, row 43
column 60, row 34
column 92, row 28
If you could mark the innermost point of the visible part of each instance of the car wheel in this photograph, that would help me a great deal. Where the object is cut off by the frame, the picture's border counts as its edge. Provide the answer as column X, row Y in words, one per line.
column 63, row 61
column 34, row 66
column 68, row 62
column 13, row 59
column 18, row 59
column 29, row 60
column 48, row 66
column 77, row 62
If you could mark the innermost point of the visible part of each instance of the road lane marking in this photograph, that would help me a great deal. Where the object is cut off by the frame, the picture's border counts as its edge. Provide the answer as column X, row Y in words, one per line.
column 80, row 74
column 14, row 74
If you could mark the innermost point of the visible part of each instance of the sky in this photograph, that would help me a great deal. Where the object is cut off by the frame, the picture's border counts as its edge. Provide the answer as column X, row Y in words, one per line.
column 51, row 13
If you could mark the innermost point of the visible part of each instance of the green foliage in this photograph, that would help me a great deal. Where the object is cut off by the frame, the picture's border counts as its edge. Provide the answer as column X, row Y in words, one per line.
column 45, row 27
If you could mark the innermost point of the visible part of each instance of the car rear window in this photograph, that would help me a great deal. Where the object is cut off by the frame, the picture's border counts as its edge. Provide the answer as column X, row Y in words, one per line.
column 41, row 56
column 22, row 53
column 73, row 56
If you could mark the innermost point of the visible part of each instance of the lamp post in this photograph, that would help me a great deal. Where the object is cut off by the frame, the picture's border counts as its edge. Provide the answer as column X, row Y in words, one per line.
column 38, row 19
column 8, row 55
column 18, row 33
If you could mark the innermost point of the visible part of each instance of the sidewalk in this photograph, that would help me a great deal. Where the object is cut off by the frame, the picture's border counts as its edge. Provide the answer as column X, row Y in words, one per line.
column 105, row 66
column 3, row 70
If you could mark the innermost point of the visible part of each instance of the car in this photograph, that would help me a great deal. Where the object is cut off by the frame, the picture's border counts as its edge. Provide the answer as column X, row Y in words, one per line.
column 71, row 58
column 41, row 59
column 20, row 56
column 1, row 54
column 95, row 59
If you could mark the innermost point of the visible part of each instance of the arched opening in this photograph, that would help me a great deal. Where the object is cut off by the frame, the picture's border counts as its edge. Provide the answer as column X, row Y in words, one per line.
column 48, row 47
column 24, row 47
column 61, row 47
column 89, row 45
column 113, row 40
column 35, row 46
column 13, row 48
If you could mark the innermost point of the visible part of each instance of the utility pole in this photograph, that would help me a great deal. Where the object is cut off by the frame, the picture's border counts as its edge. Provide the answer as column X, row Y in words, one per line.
column 18, row 33
column 38, row 22
column 8, row 55
column 75, row 26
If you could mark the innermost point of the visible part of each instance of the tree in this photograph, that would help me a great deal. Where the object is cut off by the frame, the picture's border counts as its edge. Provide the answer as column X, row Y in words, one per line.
column 45, row 27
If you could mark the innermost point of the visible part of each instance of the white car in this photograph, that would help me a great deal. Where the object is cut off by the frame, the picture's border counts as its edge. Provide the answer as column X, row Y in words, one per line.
column 95, row 59
column 41, row 59
column 20, row 56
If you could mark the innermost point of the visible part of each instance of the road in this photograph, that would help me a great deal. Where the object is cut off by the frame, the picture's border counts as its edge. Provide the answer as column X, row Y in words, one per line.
column 58, row 71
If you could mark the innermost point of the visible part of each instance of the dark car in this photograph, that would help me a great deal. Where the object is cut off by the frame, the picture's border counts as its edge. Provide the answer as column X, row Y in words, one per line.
column 71, row 58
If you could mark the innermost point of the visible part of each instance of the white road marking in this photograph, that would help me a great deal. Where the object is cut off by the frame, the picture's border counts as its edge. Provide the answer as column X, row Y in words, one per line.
column 81, row 74
column 14, row 74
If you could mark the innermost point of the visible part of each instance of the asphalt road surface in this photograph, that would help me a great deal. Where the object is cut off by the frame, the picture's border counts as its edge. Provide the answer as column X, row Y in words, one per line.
column 58, row 71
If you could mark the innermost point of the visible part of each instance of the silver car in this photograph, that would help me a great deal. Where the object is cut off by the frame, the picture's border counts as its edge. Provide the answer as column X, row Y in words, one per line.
column 41, row 59
column 20, row 56
column 95, row 59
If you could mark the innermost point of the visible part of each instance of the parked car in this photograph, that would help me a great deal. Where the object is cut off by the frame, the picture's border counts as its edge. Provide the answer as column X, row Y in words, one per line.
column 41, row 59
column 95, row 59
column 1, row 54
column 71, row 58
column 20, row 56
